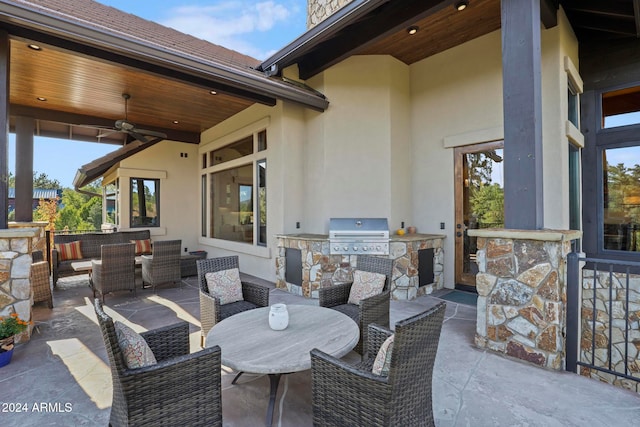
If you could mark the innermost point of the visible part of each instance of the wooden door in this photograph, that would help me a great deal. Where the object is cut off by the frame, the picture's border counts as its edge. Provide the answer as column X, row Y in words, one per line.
column 479, row 203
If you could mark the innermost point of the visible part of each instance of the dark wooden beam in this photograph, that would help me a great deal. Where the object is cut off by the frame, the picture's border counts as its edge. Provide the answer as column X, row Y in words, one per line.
column 80, row 119
column 379, row 24
column 5, row 59
column 522, row 95
column 24, row 168
column 636, row 16
column 549, row 13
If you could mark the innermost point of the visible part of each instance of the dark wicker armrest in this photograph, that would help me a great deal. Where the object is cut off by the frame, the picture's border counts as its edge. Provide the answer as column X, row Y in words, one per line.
column 334, row 295
column 193, row 378
column 376, row 335
column 375, row 309
column 169, row 341
column 255, row 293
column 96, row 273
column 345, row 394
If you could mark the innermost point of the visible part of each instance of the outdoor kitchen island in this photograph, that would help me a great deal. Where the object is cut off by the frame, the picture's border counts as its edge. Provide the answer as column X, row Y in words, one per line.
column 304, row 264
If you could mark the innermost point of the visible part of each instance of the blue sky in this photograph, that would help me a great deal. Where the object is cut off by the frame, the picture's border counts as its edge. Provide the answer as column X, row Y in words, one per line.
column 257, row 29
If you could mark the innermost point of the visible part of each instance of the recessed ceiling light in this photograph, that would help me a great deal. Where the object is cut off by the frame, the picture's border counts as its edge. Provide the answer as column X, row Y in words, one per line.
column 34, row 46
column 175, row 122
column 213, row 92
column 412, row 29
column 462, row 5
column 41, row 98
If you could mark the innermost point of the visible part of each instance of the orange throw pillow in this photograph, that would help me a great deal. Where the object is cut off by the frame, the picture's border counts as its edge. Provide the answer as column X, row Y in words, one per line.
column 142, row 246
column 69, row 250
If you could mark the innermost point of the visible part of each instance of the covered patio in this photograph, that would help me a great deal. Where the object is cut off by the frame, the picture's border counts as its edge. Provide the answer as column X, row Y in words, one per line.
column 63, row 378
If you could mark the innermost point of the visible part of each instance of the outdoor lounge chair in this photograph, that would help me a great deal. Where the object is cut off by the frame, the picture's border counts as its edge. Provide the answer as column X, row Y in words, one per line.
column 163, row 266
column 351, row 395
column 374, row 309
column 40, row 283
column 181, row 389
column 115, row 270
column 211, row 311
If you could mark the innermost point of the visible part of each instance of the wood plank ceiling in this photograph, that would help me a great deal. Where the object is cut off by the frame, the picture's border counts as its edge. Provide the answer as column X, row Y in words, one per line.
column 82, row 91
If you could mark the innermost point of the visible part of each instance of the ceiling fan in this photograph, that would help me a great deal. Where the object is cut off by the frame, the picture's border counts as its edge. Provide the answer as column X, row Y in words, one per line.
column 124, row 125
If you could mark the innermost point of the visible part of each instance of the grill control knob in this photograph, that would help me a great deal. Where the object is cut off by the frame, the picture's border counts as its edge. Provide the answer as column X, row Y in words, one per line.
column 364, row 249
column 355, row 248
column 336, row 248
column 377, row 248
column 346, row 248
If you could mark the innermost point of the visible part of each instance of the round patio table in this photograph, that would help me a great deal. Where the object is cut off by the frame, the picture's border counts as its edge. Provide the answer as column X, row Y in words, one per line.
column 249, row 345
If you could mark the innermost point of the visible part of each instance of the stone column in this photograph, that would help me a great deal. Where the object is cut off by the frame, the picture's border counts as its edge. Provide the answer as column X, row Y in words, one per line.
column 521, row 288
column 16, row 246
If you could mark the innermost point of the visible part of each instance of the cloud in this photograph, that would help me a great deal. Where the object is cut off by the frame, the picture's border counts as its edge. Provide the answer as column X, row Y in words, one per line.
column 232, row 24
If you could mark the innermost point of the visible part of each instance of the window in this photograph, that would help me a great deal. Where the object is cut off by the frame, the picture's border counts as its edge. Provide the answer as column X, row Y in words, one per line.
column 235, row 185
column 621, row 107
column 621, row 198
column 574, row 190
column 262, row 202
column 573, row 113
column 145, row 202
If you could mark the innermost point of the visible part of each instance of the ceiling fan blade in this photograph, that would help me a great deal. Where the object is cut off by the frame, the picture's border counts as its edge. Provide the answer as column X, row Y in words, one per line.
column 151, row 133
column 106, row 132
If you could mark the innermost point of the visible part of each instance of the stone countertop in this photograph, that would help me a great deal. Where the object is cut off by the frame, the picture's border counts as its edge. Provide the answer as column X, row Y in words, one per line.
column 414, row 237
column 392, row 237
column 304, row 236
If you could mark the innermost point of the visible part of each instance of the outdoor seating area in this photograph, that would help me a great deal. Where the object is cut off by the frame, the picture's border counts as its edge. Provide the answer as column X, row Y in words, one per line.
column 67, row 367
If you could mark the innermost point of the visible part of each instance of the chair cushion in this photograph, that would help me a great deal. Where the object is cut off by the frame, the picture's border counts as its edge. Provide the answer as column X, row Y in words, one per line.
column 229, row 310
column 142, row 246
column 351, row 310
column 68, row 251
column 383, row 359
column 365, row 285
column 225, row 285
column 135, row 349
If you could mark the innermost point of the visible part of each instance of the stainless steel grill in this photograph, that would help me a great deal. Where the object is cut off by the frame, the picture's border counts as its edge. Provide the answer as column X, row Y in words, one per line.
column 349, row 236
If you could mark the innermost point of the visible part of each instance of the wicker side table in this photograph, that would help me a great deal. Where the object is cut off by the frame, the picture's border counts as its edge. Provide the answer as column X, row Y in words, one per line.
column 188, row 263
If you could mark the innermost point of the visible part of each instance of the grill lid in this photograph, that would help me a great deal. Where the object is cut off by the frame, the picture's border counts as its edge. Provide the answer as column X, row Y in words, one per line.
column 358, row 227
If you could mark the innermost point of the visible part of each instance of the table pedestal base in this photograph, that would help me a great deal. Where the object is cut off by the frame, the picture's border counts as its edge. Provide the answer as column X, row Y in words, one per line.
column 274, row 380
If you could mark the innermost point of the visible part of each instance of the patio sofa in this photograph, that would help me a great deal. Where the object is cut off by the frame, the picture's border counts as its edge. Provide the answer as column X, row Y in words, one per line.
column 90, row 246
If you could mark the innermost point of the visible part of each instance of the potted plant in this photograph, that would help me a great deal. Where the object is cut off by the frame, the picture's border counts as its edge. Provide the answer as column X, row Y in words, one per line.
column 9, row 327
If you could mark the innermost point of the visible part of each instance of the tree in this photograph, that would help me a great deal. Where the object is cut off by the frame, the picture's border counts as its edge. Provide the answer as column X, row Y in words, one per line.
column 40, row 180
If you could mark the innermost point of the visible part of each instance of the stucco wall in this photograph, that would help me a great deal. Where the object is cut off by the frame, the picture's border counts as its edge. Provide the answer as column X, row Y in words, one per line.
column 358, row 156
column 456, row 99
column 179, row 196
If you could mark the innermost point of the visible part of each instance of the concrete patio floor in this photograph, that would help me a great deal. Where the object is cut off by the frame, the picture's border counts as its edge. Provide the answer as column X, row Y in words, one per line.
column 65, row 367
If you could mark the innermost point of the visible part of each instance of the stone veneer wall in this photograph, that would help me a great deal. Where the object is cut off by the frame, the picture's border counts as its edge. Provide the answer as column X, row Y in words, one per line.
column 16, row 245
column 320, row 269
column 614, row 305
column 521, row 288
column 319, row 10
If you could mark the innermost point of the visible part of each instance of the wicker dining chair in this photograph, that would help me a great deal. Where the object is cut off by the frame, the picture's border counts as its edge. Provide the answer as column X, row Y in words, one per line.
column 181, row 389
column 163, row 266
column 211, row 311
column 40, row 282
column 351, row 395
column 115, row 270
column 374, row 309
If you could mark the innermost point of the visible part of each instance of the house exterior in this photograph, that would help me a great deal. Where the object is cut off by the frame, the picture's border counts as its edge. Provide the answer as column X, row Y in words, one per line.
column 355, row 120
column 38, row 194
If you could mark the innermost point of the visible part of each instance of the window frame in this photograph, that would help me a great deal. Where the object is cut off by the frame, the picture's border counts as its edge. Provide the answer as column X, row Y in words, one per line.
column 258, row 131
column 156, row 182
